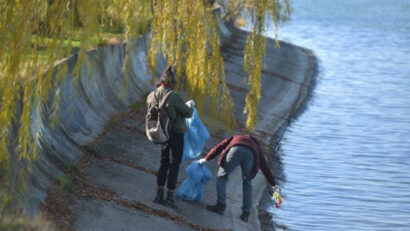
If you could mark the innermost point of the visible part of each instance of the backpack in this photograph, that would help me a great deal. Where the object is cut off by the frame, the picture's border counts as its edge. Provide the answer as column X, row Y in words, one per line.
column 157, row 123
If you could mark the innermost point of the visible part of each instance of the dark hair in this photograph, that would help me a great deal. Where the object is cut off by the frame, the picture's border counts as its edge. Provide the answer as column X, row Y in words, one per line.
column 167, row 77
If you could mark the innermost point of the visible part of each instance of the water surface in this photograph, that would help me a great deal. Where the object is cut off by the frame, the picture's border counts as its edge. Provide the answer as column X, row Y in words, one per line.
column 346, row 159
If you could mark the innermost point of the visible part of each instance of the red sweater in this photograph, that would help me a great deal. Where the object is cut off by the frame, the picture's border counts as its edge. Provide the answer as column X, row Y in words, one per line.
column 246, row 140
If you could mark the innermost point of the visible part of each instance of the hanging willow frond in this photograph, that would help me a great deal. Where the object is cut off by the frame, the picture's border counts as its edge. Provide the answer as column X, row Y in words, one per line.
column 34, row 34
column 259, row 11
column 185, row 32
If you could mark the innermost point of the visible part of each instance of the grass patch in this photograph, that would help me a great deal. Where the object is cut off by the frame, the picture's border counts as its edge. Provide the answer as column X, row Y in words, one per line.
column 71, row 44
column 65, row 184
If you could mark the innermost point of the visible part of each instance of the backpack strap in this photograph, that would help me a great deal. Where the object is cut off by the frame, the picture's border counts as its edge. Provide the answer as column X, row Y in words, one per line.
column 164, row 98
column 152, row 98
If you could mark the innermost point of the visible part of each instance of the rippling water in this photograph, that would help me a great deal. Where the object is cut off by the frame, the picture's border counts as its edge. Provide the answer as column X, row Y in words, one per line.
column 346, row 159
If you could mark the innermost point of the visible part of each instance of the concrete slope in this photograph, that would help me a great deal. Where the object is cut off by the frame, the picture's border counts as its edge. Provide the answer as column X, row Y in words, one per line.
column 103, row 90
column 125, row 163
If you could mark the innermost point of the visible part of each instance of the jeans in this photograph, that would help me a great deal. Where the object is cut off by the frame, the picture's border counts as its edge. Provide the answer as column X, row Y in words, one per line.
column 171, row 156
column 237, row 155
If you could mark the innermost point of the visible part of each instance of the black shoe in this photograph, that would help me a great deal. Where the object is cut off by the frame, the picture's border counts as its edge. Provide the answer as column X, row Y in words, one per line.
column 170, row 202
column 159, row 198
column 218, row 208
column 244, row 216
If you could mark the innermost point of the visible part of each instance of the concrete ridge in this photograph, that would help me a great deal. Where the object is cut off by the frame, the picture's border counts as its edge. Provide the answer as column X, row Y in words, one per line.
column 97, row 193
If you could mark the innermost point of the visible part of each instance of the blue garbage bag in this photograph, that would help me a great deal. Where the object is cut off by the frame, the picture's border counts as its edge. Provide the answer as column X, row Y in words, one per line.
column 198, row 173
column 195, row 137
column 192, row 189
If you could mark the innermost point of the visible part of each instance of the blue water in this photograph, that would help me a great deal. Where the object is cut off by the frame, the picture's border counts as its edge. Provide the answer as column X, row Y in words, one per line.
column 346, row 159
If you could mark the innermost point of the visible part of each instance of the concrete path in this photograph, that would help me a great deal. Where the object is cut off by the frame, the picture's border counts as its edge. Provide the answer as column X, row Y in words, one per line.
column 125, row 163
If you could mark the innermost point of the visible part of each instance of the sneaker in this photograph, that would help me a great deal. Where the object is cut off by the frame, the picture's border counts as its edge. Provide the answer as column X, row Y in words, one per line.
column 218, row 208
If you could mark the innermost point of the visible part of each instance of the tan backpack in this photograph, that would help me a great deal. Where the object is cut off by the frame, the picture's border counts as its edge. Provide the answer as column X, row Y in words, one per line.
column 157, row 123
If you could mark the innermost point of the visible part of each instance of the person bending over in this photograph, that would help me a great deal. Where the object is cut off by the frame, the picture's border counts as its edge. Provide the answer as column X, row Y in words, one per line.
column 244, row 151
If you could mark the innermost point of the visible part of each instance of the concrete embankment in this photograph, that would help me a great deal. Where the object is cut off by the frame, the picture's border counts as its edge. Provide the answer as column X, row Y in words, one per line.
column 124, row 163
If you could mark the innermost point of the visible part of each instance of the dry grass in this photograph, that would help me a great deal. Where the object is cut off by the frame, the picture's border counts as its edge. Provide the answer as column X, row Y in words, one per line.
column 20, row 222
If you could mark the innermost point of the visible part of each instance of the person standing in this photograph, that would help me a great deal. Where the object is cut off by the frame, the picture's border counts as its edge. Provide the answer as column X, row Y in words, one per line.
column 172, row 150
column 244, row 151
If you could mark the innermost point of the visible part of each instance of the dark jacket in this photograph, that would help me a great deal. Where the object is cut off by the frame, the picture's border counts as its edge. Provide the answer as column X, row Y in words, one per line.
column 245, row 140
column 176, row 108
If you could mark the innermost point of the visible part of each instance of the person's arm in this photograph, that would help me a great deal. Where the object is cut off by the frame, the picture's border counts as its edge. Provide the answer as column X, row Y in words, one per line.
column 181, row 107
column 218, row 148
column 266, row 169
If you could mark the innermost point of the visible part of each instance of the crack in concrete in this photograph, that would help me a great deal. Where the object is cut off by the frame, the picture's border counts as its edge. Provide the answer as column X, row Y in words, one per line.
column 128, row 164
column 133, row 129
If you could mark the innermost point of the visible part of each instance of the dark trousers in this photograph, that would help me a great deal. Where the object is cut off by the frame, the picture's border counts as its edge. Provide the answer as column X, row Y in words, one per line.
column 171, row 156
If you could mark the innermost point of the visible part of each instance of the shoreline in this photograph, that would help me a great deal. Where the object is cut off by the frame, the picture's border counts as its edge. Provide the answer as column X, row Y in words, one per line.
column 265, row 217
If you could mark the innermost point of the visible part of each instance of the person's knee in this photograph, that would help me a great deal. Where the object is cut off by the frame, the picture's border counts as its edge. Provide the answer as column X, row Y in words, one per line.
column 174, row 163
column 175, row 160
column 223, row 177
column 247, row 180
column 165, row 162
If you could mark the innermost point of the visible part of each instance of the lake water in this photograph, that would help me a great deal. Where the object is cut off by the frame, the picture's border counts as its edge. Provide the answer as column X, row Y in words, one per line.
column 346, row 159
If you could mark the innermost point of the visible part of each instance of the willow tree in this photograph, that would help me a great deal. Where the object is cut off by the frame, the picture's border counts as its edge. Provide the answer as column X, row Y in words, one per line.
column 34, row 34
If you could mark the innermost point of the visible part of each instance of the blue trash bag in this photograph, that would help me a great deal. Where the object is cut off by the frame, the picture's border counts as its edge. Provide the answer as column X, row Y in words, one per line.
column 198, row 172
column 192, row 189
column 195, row 137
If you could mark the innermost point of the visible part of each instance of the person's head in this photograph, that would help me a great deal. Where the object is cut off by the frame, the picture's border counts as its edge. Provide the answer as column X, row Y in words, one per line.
column 167, row 78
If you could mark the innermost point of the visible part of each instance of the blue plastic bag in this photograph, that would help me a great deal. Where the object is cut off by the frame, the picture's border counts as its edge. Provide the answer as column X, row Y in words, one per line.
column 192, row 189
column 195, row 137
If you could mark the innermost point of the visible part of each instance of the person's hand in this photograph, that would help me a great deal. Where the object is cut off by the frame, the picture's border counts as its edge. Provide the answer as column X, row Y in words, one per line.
column 273, row 188
column 202, row 161
column 190, row 103
column 276, row 196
